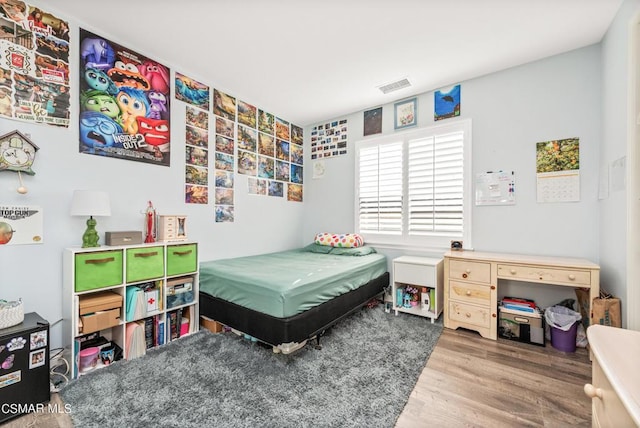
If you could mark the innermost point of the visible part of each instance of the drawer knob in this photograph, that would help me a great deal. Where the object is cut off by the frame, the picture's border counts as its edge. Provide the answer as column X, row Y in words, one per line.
column 468, row 315
column 468, row 293
column 464, row 275
column 592, row 392
column 468, row 271
column 493, row 287
column 494, row 315
column 513, row 271
column 572, row 277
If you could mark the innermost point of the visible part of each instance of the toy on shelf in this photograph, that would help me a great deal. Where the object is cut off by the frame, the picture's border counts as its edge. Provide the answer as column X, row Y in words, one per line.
column 150, row 224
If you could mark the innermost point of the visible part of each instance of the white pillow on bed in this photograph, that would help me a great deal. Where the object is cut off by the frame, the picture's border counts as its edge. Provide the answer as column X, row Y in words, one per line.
column 347, row 240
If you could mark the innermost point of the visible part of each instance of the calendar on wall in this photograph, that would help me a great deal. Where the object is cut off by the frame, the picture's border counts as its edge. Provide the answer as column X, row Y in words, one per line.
column 558, row 170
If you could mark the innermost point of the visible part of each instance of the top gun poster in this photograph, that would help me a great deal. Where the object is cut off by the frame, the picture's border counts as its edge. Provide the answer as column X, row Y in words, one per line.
column 34, row 64
column 124, row 102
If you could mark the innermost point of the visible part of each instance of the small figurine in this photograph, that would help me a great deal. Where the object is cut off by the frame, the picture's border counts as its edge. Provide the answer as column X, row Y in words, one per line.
column 399, row 294
column 150, row 224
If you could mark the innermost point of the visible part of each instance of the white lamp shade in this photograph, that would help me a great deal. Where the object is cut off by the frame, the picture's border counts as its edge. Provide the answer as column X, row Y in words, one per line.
column 90, row 203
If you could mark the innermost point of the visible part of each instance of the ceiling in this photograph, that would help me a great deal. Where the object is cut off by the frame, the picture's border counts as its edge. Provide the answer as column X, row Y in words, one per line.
column 307, row 61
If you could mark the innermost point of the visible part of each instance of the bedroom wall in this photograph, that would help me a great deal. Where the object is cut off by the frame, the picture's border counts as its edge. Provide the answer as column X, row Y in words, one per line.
column 554, row 98
column 615, row 241
column 34, row 272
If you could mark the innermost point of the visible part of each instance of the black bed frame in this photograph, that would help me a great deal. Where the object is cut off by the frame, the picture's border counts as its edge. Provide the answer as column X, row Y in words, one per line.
column 297, row 328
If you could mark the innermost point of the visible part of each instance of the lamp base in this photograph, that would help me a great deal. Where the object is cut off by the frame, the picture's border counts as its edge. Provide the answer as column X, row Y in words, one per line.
column 90, row 237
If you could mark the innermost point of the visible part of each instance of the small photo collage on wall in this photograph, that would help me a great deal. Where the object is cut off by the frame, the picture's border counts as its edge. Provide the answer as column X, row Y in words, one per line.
column 329, row 139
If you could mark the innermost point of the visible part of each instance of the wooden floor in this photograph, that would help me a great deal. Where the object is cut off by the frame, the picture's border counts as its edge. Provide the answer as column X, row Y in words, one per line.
column 473, row 382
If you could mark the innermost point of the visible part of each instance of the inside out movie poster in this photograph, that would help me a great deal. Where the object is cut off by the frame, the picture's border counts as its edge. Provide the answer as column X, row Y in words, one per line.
column 124, row 102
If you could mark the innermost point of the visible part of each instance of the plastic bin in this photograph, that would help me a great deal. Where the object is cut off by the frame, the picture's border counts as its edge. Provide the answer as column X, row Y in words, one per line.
column 564, row 340
column 563, row 325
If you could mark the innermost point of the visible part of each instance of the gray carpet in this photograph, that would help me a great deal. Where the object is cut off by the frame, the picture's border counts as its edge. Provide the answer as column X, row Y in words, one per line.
column 362, row 377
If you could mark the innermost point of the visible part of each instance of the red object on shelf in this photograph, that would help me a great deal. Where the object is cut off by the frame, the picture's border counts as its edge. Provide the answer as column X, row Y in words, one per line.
column 519, row 301
column 151, row 224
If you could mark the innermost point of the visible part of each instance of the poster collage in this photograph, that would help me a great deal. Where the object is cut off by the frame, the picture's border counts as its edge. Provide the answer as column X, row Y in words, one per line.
column 34, row 65
column 329, row 139
column 125, row 110
column 248, row 140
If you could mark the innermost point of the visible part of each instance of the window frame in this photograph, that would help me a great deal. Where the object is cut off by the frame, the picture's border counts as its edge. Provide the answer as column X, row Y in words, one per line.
column 435, row 241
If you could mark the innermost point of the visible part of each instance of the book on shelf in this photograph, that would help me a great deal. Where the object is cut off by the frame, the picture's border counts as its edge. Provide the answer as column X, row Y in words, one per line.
column 519, row 301
column 148, row 333
column 160, row 331
column 173, row 325
column 142, row 299
column 135, row 340
column 528, row 312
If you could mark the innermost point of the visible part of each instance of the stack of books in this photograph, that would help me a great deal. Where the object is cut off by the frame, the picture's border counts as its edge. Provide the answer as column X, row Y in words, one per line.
column 519, row 306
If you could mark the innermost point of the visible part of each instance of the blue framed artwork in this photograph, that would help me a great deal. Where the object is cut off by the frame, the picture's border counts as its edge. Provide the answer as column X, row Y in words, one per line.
column 446, row 104
column 405, row 113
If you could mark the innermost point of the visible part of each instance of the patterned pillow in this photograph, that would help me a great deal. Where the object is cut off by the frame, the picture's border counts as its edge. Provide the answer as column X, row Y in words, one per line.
column 347, row 240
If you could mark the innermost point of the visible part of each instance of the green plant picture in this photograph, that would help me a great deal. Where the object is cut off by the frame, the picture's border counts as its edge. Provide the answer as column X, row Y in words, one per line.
column 558, row 155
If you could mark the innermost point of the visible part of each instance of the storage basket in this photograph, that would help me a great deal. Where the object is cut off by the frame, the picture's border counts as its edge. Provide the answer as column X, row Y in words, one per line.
column 11, row 313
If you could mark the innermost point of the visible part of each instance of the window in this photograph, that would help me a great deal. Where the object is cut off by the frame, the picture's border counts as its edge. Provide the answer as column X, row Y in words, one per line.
column 413, row 188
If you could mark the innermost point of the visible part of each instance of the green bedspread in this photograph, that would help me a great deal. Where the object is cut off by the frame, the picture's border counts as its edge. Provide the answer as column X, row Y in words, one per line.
column 286, row 283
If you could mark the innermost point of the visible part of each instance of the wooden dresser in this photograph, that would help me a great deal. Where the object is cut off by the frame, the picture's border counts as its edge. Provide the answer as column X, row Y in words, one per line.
column 471, row 280
column 615, row 387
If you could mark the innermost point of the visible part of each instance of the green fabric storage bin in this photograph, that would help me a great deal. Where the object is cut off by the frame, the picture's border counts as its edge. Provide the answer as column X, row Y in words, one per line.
column 97, row 269
column 182, row 259
column 145, row 263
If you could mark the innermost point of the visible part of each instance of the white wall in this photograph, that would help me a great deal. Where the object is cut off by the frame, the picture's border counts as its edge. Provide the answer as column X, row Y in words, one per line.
column 616, row 116
column 512, row 110
column 34, row 272
column 554, row 98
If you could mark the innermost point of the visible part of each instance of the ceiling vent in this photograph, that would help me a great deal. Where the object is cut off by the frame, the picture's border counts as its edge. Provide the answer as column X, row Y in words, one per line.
column 394, row 86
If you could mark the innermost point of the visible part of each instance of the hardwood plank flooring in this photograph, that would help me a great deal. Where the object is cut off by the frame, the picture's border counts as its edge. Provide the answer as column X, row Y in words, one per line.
column 470, row 381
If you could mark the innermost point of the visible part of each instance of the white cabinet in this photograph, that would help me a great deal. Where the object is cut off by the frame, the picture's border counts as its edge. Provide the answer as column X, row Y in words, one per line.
column 425, row 276
column 132, row 297
column 615, row 387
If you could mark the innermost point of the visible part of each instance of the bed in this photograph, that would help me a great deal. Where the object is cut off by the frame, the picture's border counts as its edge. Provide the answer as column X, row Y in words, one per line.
column 286, row 298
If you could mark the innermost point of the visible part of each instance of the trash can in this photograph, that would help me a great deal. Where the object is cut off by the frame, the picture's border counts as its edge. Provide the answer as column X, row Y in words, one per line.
column 563, row 324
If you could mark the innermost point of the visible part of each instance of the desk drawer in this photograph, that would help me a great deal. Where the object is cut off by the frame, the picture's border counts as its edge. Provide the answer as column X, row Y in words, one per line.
column 464, row 270
column 414, row 274
column 470, row 293
column 553, row 276
column 471, row 314
column 608, row 410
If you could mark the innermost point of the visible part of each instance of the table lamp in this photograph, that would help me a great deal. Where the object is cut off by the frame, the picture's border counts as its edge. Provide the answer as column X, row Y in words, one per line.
column 90, row 203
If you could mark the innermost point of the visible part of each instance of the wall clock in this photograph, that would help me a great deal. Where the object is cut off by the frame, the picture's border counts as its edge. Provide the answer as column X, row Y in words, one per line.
column 17, row 153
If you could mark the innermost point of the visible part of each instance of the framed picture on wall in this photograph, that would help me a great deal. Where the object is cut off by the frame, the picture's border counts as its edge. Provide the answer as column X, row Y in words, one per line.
column 373, row 121
column 405, row 113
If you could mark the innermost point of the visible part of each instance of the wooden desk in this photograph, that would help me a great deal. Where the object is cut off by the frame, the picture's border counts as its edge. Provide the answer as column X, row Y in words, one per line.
column 471, row 283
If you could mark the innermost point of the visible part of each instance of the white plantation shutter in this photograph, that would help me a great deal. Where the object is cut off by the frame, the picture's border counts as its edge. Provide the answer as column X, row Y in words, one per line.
column 380, row 188
column 413, row 187
column 435, row 184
